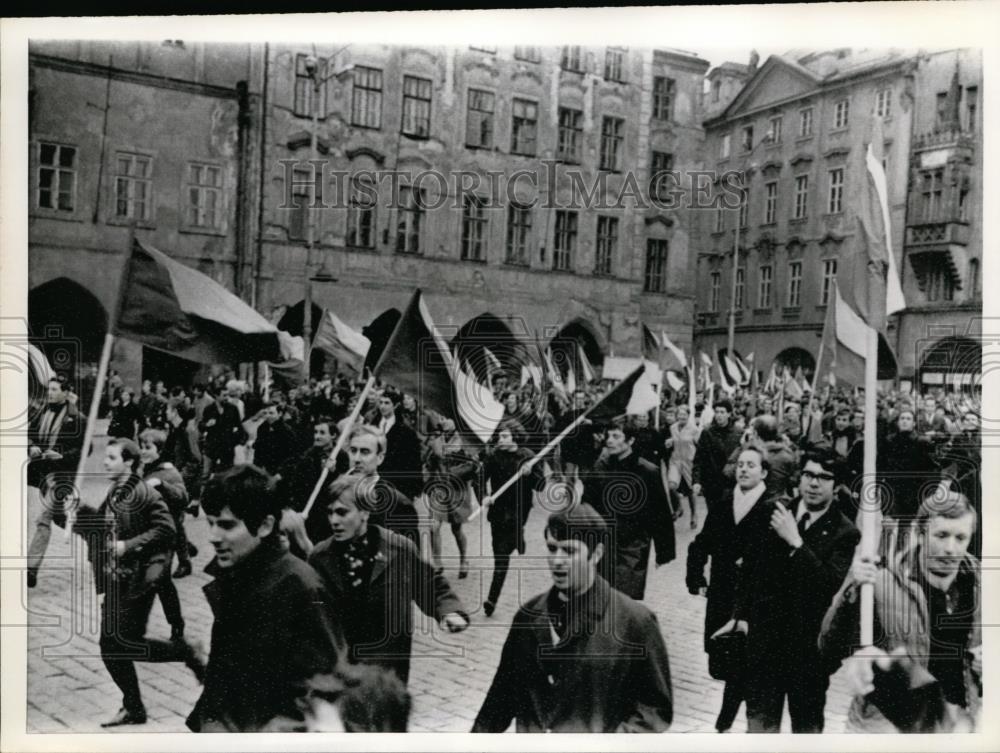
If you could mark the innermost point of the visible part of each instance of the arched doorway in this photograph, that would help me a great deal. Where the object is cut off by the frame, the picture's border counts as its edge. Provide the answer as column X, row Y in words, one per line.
column 953, row 364
column 794, row 359
column 291, row 322
column 566, row 354
column 378, row 334
column 68, row 323
column 483, row 333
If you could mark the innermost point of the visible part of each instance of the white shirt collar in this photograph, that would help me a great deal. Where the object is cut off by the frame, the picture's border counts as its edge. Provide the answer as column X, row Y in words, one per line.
column 743, row 502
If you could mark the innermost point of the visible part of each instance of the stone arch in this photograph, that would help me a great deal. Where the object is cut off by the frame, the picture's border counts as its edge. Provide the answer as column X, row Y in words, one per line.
column 487, row 331
column 67, row 322
column 950, row 363
column 795, row 358
column 291, row 322
column 578, row 331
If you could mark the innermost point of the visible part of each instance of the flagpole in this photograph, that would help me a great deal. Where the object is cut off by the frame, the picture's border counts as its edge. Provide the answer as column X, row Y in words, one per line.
column 95, row 400
column 870, row 498
column 822, row 341
column 332, row 460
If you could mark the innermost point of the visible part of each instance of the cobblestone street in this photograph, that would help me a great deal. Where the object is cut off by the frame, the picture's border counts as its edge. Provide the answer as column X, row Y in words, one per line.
column 70, row 691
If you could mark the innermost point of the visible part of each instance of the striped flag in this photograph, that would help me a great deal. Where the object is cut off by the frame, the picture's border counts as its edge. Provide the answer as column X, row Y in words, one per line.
column 342, row 342
column 678, row 353
column 844, row 345
column 727, row 386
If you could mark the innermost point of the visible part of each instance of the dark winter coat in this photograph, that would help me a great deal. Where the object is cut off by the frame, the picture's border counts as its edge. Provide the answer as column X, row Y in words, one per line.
column 125, row 421
column 379, row 629
column 715, row 445
column 510, row 511
column 274, row 445
column 271, row 633
column 610, row 674
column 67, row 440
column 403, row 465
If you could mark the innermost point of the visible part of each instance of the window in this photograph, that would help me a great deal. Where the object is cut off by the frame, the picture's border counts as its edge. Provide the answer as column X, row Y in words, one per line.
column 939, row 285
column 883, row 103
column 764, row 287
column 975, row 289
column 409, row 220
column 416, row 106
column 655, row 280
column 714, row 288
column 744, row 206
column 525, row 128
column 570, row 134
column 571, row 59
column 770, row 201
column 942, row 108
column 56, row 177
column 931, row 191
column 528, row 54
column 774, row 130
column 133, row 186
column 801, row 196
column 659, row 183
column 795, row 283
column 805, row 122
column 971, row 103
column 829, row 278
column 473, row 228
column 305, row 88
column 361, row 213
column 614, row 64
column 716, row 90
column 835, row 197
column 746, row 138
column 741, row 275
column 298, row 218
column 366, row 97
column 663, row 97
column 565, row 240
column 479, row 119
column 724, row 146
column 720, row 219
column 612, row 135
column 963, row 204
column 607, row 244
column 841, row 111
column 518, row 233
column 204, row 195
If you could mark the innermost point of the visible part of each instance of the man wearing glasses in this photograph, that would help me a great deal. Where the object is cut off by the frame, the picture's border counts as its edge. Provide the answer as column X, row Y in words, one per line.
column 803, row 556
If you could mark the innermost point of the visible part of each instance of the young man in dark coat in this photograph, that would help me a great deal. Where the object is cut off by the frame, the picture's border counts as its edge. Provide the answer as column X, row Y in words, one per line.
column 275, row 442
column 730, row 529
column 272, row 632
column 403, row 465
column 715, row 445
column 581, row 657
column 905, row 463
column 372, row 576
column 628, row 491
column 55, row 443
column 793, row 569
column 223, row 430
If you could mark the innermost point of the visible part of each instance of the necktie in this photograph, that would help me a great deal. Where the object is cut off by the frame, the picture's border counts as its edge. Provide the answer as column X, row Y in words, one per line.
column 803, row 522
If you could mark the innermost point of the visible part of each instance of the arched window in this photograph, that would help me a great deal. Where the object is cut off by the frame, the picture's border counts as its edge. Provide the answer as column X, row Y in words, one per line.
column 975, row 288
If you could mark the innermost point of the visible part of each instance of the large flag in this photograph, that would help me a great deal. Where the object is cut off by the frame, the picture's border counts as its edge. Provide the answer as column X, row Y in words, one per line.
column 736, row 371
column 645, row 394
column 674, row 382
column 342, row 342
column 870, row 260
column 531, row 372
column 844, row 345
column 169, row 306
column 616, row 402
column 678, row 353
column 416, row 360
column 792, row 388
column 724, row 382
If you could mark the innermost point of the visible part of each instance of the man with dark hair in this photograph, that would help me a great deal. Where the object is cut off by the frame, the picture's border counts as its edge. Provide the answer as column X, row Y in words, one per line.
column 182, row 445
column 55, row 439
column 581, row 657
column 275, row 442
column 905, row 463
column 793, row 568
column 372, row 576
column 130, row 537
column 715, row 445
column 299, row 476
column 223, row 431
column 628, row 491
column 271, row 631
column 924, row 673
column 402, row 465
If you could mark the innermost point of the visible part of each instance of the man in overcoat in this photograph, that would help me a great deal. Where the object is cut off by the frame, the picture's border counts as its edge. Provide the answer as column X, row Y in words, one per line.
column 372, row 576
column 271, row 632
column 715, row 445
column 581, row 657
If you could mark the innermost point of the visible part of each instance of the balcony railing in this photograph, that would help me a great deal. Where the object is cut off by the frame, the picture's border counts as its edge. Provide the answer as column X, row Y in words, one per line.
column 938, row 233
column 938, row 139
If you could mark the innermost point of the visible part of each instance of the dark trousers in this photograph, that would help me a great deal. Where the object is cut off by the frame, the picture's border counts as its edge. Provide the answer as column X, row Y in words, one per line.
column 501, row 564
column 799, row 678
column 732, row 699
column 181, row 545
column 170, row 601
column 123, row 641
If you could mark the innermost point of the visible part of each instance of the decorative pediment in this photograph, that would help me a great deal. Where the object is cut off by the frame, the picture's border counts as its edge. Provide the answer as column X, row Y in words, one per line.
column 302, row 139
column 418, row 55
column 528, row 73
column 802, row 158
column 572, row 85
column 778, row 80
column 795, row 248
column 414, row 160
column 770, row 169
column 765, row 247
column 830, row 241
column 838, row 152
column 481, row 66
column 365, row 151
column 659, row 219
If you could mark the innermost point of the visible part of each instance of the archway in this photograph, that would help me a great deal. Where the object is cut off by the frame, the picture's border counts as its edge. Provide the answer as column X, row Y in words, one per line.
column 488, row 332
column 951, row 363
column 68, row 323
column 794, row 359
column 291, row 322
column 566, row 354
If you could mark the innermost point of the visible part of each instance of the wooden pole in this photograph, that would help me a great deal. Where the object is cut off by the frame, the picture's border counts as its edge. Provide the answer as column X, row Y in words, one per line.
column 870, row 498
column 332, row 460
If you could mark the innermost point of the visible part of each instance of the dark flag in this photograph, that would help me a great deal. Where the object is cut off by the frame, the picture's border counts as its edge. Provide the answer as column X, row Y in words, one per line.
column 615, row 403
column 167, row 305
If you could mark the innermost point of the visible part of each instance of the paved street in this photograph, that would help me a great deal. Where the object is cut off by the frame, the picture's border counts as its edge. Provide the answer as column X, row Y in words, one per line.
column 70, row 691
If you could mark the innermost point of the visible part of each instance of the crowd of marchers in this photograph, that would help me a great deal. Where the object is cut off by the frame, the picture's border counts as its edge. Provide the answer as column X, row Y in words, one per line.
column 313, row 584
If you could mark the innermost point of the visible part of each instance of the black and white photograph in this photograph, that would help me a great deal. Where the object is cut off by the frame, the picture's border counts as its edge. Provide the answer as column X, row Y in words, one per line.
column 553, row 371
